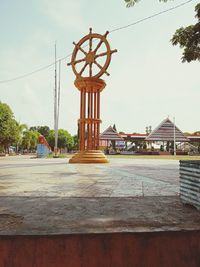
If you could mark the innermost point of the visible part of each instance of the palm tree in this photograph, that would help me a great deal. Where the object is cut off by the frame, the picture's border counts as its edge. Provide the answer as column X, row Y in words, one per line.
column 21, row 128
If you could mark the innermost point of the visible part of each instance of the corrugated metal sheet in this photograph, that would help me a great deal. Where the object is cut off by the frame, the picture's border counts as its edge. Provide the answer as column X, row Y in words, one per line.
column 190, row 182
column 165, row 132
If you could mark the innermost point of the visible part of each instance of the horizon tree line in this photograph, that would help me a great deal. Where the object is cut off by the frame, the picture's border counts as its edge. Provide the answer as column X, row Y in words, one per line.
column 24, row 138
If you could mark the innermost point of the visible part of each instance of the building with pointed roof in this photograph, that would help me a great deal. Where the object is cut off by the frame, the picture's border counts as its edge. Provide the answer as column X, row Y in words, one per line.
column 110, row 138
column 163, row 135
column 111, row 135
column 167, row 131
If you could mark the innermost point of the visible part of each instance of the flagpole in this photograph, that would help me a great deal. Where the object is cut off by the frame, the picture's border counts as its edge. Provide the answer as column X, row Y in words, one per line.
column 55, row 107
column 58, row 101
column 174, row 138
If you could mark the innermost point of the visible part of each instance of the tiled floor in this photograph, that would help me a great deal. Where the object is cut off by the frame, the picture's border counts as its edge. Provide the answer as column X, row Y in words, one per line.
column 22, row 176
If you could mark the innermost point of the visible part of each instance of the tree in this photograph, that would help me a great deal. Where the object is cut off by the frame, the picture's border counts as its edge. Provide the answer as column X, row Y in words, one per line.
column 114, row 127
column 29, row 140
column 188, row 38
column 130, row 3
column 76, row 142
column 9, row 132
column 65, row 140
column 43, row 130
column 21, row 128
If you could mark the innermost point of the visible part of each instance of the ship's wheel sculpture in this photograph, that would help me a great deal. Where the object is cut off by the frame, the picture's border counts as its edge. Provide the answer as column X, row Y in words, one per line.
column 90, row 60
column 90, row 57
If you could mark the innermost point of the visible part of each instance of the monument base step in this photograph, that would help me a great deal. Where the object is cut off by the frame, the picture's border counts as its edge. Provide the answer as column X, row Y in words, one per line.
column 89, row 156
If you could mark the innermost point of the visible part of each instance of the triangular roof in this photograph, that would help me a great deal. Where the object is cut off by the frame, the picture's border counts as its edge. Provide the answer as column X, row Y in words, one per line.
column 110, row 134
column 165, row 132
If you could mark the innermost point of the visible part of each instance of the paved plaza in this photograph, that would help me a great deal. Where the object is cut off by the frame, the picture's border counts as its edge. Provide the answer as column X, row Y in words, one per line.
column 122, row 177
column 50, row 196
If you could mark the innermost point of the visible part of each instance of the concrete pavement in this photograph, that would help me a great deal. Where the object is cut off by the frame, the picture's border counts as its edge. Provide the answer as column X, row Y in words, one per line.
column 50, row 196
column 26, row 176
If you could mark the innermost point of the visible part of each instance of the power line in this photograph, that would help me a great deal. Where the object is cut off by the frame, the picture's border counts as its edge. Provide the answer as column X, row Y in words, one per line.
column 152, row 16
column 114, row 30
column 33, row 72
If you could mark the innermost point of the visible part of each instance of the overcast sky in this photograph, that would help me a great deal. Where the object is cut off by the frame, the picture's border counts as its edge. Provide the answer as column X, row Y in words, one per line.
column 147, row 80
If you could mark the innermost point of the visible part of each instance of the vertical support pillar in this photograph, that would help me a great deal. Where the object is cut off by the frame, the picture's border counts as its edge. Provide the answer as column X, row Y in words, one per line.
column 81, row 122
column 89, row 121
column 98, row 118
column 95, row 123
column 84, row 116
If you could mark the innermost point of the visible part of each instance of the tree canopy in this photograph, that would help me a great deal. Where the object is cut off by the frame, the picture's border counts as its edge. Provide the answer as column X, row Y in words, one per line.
column 24, row 138
column 130, row 3
column 43, row 130
column 29, row 139
column 65, row 140
column 9, row 131
column 188, row 38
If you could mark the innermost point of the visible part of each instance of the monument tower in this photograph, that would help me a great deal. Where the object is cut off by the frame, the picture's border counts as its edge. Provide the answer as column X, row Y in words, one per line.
column 88, row 71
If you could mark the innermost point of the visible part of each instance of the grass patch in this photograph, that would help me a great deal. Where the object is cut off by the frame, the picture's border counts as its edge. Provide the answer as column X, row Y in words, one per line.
column 168, row 157
column 171, row 157
column 52, row 155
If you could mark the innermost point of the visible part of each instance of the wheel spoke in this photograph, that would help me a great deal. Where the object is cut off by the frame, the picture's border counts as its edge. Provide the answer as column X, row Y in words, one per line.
column 79, row 60
column 106, row 53
column 95, row 62
column 80, row 48
column 97, row 47
column 90, row 44
column 98, row 65
column 102, row 54
column 83, row 68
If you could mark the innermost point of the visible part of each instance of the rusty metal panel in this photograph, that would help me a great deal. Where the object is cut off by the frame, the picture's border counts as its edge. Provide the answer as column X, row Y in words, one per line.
column 190, row 182
column 158, row 249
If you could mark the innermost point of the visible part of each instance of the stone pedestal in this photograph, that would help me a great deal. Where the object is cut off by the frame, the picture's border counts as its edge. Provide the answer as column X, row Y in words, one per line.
column 90, row 156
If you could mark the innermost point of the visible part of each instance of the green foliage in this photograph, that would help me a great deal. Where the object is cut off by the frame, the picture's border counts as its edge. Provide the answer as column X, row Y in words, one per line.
column 51, row 139
column 76, row 142
column 114, row 127
column 197, row 133
column 130, row 3
column 188, row 38
column 43, row 130
column 21, row 129
column 29, row 140
column 14, row 133
column 65, row 140
column 9, row 131
column 187, row 133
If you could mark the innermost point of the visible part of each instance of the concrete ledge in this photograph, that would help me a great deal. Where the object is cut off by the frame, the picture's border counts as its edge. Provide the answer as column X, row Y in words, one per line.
column 161, row 249
column 54, row 215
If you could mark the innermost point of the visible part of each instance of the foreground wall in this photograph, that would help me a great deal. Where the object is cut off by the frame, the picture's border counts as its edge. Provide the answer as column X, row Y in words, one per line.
column 163, row 249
